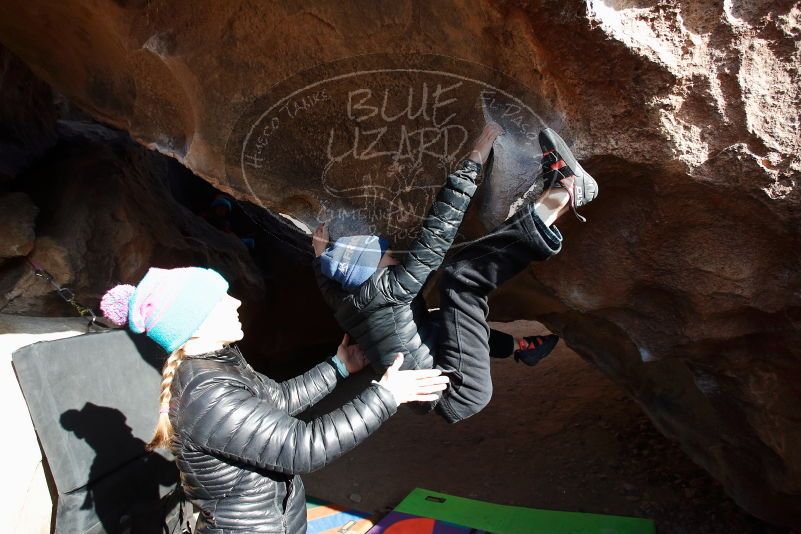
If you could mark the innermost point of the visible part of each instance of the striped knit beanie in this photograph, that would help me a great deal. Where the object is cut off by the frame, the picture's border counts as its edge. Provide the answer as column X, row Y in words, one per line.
column 168, row 305
column 353, row 259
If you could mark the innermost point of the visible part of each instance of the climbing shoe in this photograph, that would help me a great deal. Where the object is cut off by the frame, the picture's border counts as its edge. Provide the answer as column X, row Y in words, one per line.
column 561, row 169
column 535, row 348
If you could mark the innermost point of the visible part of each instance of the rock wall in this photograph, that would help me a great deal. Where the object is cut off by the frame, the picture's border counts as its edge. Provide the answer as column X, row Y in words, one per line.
column 96, row 212
column 27, row 117
column 685, row 284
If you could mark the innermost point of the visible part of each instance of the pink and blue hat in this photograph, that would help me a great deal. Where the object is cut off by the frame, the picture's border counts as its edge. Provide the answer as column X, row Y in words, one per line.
column 168, row 305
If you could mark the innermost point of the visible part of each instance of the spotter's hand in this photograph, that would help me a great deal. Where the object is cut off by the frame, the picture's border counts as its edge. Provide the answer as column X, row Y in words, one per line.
column 418, row 385
column 352, row 356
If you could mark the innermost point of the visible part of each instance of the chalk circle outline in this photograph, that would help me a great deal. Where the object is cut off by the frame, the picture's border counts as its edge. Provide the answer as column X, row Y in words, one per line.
column 350, row 61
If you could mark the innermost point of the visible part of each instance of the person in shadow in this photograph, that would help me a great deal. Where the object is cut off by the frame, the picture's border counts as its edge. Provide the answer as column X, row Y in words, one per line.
column 122, row 485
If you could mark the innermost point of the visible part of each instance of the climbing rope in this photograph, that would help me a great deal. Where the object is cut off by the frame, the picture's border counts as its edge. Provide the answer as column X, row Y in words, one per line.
column 69, row 296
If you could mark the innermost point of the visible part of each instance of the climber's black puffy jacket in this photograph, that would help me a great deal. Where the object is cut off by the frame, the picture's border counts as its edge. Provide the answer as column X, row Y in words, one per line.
column 239, row 448
column 383, row 314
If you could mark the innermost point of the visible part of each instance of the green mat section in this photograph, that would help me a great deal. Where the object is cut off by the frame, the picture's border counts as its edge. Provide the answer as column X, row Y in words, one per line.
column 503, row 519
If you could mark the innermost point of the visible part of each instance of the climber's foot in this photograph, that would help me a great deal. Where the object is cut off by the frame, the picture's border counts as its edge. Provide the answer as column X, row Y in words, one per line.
column 535, row 348
column 562, row 169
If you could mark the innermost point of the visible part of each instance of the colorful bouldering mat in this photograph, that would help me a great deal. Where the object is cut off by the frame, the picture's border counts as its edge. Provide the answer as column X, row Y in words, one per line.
column 430, row 512
column 326, row 518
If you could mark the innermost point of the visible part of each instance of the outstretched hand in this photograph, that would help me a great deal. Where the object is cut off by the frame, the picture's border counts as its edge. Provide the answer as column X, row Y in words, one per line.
column 352, row 356
column 483, row 144
column 320, row 239
column 413, row 385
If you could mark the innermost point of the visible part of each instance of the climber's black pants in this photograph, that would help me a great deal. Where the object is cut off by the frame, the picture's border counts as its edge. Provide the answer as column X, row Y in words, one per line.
column 463, row 347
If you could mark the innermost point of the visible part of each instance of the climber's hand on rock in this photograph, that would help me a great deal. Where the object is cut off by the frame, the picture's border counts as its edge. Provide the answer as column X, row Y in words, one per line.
column 320, row 239
column 413, row 385
column 483, row 144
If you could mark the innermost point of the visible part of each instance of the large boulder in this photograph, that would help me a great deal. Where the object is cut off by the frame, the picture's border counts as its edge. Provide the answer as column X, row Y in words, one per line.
column 684, row 287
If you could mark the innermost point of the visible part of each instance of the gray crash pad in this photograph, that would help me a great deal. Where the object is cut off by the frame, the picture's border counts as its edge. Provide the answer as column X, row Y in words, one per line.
column 93, row 400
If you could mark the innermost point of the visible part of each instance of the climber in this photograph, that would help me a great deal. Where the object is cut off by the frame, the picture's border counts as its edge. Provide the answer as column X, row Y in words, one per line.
column 219, row 216
column 232, row 430
column 219, row 213
column 376, row 297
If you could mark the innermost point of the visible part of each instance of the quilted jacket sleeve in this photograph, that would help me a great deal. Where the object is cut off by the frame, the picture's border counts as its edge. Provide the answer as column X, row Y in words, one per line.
column 224, row 418
column 437, row 233
column 307, row 389
column 332, row 292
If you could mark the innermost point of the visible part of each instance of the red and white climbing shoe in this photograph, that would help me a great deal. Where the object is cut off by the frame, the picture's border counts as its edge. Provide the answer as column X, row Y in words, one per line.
column 535, row 348
column 561, row 169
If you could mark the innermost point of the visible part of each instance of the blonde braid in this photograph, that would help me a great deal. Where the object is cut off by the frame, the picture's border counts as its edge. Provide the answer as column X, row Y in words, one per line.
column 163, row 434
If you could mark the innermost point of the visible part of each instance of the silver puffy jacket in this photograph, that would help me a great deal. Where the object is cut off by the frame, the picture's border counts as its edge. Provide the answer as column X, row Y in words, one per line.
column 239, row 448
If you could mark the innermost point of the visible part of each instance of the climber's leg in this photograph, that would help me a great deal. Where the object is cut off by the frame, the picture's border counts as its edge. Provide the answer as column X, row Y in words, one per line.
column 469, row 277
